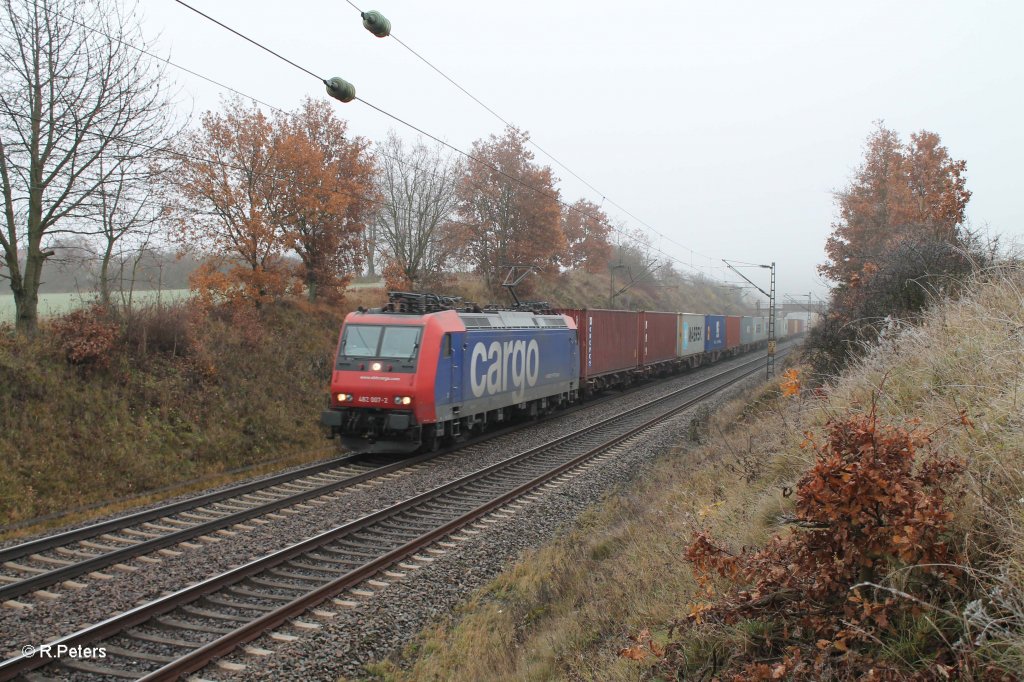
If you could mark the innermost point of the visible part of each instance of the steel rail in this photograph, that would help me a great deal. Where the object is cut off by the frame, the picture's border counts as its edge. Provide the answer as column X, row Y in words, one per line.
column 15, row 552
column 57, row 575
column 40, row 581
column 200, row 656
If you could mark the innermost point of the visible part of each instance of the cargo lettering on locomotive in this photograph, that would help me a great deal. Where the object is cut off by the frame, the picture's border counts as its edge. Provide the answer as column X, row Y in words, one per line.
column 492, row 368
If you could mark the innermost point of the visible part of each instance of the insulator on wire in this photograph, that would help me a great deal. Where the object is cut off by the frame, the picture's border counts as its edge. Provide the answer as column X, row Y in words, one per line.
column 376, row 23
column 340, row 89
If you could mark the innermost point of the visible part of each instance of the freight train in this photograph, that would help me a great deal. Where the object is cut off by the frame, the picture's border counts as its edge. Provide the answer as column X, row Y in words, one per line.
column 425, row 370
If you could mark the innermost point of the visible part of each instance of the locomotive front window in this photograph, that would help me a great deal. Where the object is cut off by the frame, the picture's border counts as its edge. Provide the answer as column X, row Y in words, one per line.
column 378, row 341
column 400, row 342
column 360, row 341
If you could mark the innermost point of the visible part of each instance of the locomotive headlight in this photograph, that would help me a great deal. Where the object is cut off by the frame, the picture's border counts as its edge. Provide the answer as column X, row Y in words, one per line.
column 345, row 397
column 376, row 366
column 407, row 400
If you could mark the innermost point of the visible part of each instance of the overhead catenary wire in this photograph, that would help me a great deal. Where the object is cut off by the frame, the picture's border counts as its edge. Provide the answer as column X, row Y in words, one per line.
column 245, row 37
column 440, row 141
column 534, row 143
column 437, row 139
column 272, row 107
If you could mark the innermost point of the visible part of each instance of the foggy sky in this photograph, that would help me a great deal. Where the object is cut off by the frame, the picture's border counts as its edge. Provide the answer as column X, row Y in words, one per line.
column 725, row 127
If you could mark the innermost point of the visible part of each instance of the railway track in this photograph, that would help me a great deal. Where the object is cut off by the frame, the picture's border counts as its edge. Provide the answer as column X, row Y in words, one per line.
column 184, row 631
column 58, row 559
column 65, row 560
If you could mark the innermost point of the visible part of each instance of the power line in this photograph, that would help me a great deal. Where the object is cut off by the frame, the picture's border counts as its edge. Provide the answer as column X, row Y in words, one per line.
column 437, row 139
column 551, row 156
column 423, row 132
column 245, row 37
column 403, row 162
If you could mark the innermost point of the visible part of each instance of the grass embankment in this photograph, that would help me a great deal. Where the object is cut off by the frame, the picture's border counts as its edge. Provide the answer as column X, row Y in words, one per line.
column 617, row 598
column 99, row 410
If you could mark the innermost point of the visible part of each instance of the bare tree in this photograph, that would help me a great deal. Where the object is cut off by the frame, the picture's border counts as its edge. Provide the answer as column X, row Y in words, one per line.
column 418, row 186
column 130, row 210
column 78, row 101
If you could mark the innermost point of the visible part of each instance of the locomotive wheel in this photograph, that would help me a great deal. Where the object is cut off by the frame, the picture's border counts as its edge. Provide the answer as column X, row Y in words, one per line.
column 430, row 440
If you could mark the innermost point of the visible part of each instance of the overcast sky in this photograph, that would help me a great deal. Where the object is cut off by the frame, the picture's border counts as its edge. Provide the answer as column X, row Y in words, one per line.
column 723, row 126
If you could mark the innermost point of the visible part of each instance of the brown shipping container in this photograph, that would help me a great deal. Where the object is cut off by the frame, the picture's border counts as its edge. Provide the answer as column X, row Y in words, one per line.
column 794, row 326
column 732, row 331
column 658, row 332
column 608, row 340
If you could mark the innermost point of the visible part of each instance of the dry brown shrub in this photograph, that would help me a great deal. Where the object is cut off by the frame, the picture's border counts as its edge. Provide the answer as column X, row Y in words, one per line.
column 865, row 510
column 160, row 328
column 87, row 337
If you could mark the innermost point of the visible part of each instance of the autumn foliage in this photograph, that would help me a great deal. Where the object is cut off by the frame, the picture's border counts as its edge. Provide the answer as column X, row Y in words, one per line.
column 899, row 239
column 509, row 209
column 866, row 511
column 586, row 229
column 255, row 188
column 87, row 337
column 902, row 191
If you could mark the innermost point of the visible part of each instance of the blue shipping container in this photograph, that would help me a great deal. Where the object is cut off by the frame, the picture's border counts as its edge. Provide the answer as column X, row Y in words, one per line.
column 714, row 332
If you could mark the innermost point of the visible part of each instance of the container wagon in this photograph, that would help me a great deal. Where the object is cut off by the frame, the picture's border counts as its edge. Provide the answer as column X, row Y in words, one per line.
column 658, row 341
column 732, row 333
column 609, row 345
column 714, row 336
column 747, row 335
column 690, row 346
column 760, row 329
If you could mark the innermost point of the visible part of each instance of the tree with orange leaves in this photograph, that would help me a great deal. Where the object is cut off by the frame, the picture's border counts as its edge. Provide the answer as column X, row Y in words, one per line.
column 227, row 185
column 901, row 191
column 586, row 229
column 255, row 188
column 509, row 208
column 899, row 237
column 324, row 195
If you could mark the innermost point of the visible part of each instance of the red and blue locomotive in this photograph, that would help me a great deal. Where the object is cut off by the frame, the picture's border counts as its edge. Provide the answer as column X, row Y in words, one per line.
column 424, row 368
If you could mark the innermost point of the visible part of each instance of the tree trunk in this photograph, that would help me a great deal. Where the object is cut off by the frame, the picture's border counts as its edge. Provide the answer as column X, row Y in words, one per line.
column 105, row 276
column 26, row 297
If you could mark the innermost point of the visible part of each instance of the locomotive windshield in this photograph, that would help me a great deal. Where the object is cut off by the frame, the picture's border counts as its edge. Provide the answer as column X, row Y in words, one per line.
column 379, row 341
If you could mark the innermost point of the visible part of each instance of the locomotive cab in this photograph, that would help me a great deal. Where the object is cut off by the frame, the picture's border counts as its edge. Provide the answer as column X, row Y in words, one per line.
column 374, row 384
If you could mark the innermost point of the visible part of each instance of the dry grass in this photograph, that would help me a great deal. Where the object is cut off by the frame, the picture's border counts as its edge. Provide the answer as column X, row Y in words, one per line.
column 567, row 610
column 178, row 400
column 564, row 611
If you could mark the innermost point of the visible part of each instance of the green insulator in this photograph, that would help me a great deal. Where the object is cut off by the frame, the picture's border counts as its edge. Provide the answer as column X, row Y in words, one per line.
column 376, row 23
column 339, row 88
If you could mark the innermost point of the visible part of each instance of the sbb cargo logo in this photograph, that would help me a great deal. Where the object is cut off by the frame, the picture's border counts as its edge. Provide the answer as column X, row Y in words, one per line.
column 500, row 366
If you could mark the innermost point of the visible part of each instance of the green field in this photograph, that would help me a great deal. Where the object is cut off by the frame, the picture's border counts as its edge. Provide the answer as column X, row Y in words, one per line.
column 57, row 304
